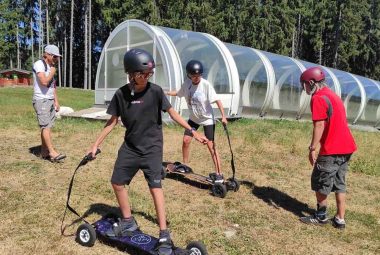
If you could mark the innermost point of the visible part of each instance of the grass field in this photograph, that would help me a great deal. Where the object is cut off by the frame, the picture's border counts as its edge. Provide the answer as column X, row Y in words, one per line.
column 262, row 218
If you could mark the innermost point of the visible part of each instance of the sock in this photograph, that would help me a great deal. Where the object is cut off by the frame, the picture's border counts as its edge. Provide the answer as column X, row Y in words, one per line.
column 164, row 234
column 321, row 212
column 128, row 222
column 129, row 219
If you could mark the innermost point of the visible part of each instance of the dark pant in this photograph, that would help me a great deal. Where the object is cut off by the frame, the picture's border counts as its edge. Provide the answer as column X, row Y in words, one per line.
column 329, row 173
column 209, row 130
column 128, row 163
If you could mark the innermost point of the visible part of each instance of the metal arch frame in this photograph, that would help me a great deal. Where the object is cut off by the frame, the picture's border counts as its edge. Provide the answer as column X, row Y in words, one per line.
column 175, row 65
column 337, row 86
column 304, row 98
column 277, row 89
column 212, row 71
column 375, row 84
column 271, row 81
column 362, row 117
column 103, row 57
column 232, row 72
column 159, row 42
column 378, row 109
column 279, row 83
column 245, row 98
column 362, row 101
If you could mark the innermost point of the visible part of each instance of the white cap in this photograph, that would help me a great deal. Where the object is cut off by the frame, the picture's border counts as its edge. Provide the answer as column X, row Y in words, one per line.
column 52, row 49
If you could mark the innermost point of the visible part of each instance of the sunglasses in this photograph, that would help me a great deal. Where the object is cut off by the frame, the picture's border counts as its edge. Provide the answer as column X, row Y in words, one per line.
column 144, row 75
column 54, row 56
column 191, row 76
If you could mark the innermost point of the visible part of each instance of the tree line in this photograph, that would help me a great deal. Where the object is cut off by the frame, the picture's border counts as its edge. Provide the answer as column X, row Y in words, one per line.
column 343, row 34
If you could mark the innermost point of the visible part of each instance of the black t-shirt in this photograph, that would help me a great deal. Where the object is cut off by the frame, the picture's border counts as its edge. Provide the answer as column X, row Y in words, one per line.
column 141, row 115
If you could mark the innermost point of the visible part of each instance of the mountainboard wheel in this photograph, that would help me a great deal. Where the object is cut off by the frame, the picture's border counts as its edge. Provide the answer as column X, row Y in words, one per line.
column 219, row 190
column 233, row 184
column 86, row 235
column 197, row 248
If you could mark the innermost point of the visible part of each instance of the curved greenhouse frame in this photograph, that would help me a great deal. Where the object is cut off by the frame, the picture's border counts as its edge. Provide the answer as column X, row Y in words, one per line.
column 249, row 82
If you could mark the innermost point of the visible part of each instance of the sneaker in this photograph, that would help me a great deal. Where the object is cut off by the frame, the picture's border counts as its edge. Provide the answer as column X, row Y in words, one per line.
column 319, row 218
column 124, row 227
column 182, row 168
column 211, row 177
column 165, row 244
column 313, row 219
column 338, row 223
column 219, row 178
column 214, row 177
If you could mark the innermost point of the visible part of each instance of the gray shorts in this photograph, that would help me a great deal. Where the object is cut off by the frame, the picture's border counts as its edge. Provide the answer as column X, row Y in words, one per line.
column 127, row 164
column 45, row 112
column 329, row 174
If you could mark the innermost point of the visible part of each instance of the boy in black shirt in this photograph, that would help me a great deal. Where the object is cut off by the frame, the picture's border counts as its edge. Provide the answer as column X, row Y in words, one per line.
column 139, row 105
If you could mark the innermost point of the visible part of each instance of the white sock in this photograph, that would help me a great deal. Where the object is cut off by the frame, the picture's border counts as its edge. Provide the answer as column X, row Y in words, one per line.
column 339, row 220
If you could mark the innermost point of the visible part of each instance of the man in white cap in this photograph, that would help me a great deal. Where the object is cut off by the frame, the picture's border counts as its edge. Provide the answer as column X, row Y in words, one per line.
column 45, row 100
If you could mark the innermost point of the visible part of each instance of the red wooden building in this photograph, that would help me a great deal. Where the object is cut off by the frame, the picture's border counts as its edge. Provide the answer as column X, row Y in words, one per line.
column 15, row 77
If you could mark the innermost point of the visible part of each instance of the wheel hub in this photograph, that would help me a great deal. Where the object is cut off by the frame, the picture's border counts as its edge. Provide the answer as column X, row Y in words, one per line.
column 84, row 236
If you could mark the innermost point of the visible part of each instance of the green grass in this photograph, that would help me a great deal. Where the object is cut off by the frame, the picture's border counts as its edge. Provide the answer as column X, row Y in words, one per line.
column 270, row 157
column 16, row 103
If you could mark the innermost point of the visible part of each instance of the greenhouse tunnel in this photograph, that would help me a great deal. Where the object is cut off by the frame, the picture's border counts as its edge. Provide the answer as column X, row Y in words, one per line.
column 250, row 83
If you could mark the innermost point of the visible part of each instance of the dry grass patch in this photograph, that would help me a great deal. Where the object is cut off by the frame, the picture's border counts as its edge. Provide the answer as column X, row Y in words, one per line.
column 262, row 218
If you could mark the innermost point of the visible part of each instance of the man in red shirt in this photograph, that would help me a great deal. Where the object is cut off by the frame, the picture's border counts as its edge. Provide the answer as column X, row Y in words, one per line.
column 331, row 132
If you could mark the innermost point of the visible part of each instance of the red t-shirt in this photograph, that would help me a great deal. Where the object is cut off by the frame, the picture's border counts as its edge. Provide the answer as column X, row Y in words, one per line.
column 337, row 137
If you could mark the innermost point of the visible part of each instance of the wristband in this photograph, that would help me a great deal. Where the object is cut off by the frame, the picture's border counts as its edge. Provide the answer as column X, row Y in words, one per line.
column 311, row 148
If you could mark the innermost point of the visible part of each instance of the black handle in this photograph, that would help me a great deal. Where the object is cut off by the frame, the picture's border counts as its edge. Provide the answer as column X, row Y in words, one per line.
column 224, row 126
column 89, row 156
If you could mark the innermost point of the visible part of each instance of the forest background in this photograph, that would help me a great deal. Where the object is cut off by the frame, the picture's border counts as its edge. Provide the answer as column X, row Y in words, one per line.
column 343, row 34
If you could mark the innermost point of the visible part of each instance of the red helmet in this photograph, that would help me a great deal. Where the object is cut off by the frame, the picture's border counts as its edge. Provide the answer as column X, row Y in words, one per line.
column 312, row 74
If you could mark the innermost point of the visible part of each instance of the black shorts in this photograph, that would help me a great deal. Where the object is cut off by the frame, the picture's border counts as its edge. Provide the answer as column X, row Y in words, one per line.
column 128, row 163
column 209, row 130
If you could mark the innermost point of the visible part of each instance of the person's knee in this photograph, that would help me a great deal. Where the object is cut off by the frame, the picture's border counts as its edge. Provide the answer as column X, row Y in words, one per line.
column 156, row 189
column 117, row 187
column 321, row 196
column 211, row 146
column 187, row 141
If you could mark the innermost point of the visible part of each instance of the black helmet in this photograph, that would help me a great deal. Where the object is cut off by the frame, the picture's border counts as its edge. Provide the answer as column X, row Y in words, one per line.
column 138, row 60
column 194, row 67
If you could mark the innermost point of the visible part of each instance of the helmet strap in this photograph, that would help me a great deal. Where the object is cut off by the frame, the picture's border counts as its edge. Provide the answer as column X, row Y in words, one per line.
column 132, row 86
column 313, row 87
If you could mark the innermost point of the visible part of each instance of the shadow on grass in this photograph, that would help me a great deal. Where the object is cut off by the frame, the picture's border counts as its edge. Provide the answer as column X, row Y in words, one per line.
column 186, row 180
column 35, row 150
column 279, row 199
column 104, row 210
